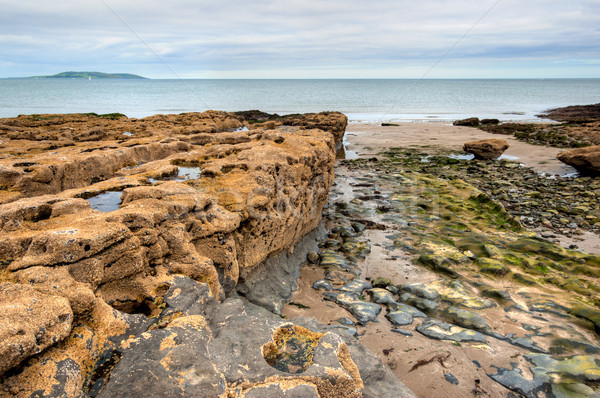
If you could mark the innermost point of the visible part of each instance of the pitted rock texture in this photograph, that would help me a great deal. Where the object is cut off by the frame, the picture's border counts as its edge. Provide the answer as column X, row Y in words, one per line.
column 205, row 196
column 212, row 349
column 31, row 322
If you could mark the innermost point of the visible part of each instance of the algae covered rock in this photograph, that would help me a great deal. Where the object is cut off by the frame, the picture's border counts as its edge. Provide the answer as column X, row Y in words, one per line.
column 469, row 122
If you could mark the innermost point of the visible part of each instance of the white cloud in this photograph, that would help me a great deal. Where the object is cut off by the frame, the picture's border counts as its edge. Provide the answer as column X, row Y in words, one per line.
column 277, row 37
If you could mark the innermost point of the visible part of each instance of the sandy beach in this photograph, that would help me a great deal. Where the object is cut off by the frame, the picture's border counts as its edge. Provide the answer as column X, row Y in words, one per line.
column 369, row 139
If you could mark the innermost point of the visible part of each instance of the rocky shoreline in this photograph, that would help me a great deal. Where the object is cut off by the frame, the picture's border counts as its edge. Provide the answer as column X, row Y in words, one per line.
column 126, row 244
column 230, row 254
column 446, row 285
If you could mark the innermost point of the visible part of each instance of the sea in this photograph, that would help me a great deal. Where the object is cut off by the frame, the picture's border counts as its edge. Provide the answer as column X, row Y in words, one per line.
column 362, row 100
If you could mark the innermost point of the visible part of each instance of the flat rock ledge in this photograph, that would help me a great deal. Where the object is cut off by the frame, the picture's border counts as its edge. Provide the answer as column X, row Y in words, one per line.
column 124, row 243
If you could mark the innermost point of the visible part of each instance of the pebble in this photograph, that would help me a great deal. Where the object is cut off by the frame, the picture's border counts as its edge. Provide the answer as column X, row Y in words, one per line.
column 322, row 284
column 403, row 332
column 450, row 378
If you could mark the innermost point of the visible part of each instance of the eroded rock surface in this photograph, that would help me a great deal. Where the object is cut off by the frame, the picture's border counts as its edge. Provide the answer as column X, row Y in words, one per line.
column 120, row 237
column 486, row 149
column 586, row 160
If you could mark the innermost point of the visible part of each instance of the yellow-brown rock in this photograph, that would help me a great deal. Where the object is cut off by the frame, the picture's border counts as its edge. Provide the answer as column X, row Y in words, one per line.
column 193, row 194
column 586, row 160
column 30, row 322
column 486, row 149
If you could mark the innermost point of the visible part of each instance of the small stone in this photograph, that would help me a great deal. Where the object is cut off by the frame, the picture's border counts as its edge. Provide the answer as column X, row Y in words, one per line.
column 345, row 321
column 450, row 378
column 381, row 296
column 444, row 331
column 322, row 284
column 313, row 257
column 381, row 282
column 402, row 332
column 398, row 318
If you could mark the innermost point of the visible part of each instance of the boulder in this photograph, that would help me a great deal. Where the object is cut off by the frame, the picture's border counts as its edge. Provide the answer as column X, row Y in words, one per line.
column 586, row 160
column 486, row 149
column 469, row 122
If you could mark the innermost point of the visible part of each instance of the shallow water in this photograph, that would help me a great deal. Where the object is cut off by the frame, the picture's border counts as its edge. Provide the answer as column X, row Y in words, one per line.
column 183, row 174
column 106, row 202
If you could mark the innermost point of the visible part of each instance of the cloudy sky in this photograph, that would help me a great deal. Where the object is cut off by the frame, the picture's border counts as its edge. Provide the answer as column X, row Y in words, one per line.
column 302, row 38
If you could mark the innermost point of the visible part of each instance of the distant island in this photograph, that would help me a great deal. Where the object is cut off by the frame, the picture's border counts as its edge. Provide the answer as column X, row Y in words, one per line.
column 91, row 75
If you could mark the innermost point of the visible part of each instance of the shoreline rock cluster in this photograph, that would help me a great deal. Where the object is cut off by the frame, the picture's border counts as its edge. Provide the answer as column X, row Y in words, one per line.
column 429, row 270
column 124, row 242
column 579, row 126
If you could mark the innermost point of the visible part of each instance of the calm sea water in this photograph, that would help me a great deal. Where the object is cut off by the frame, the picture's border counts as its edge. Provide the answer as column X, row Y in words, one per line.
column 361, row 100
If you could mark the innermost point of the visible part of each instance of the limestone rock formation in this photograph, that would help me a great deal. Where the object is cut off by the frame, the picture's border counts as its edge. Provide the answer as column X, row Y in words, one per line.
column 586, row 160
column 120, row 237
column 30, row 322
column 486, row 149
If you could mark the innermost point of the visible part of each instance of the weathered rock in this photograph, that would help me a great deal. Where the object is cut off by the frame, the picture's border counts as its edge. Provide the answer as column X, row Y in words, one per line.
column 466, row 319
column 381, row 296
column 486, row 149
column 401, row 307
column 271, row 284
column 382, row 282
column 589, row 313
column 563, row 377
column 363, row 311
column 356, row 286
column 30, row 322
column 194, row 201
column 419, row 289
column 322, row 284
column 586, row 160
column 469, row 122
column 444, row 331
column 399, row 318
column 244, row 349
column 573, row 113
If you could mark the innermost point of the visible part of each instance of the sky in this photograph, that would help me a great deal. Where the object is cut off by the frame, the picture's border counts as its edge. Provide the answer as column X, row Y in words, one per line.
column 302, row 38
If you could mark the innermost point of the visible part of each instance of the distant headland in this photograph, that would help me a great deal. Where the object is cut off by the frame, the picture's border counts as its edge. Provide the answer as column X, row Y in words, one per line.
column 91, row 75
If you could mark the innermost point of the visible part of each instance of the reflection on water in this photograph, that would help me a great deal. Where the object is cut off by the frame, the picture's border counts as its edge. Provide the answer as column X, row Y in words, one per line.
column 183, row 174
column 468, row 156
column 106, row 202
column 343, row 153
column 508, row 157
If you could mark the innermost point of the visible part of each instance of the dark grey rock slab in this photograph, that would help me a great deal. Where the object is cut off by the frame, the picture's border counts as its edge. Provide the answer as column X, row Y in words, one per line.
column 398, row 318
column 444, row 331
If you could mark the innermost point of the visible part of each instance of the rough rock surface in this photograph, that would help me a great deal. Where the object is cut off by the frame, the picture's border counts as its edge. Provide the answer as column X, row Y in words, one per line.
column 244, row 349
column 574, row 113
column 472, row 303
column 30, row 322
column 586, row 160
column 121, row 237
column 486, row 149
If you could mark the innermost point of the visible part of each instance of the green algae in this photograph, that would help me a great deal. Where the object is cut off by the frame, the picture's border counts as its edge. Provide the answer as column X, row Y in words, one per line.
column 492, row 267
column 457, row 230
